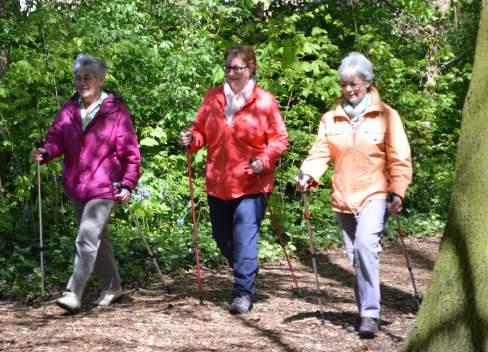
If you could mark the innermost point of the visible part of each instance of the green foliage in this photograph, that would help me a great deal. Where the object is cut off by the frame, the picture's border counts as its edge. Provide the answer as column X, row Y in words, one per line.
column 162, row 55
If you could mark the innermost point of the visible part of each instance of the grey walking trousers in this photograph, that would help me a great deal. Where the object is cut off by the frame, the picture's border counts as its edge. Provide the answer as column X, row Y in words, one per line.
column 93, row 247
column 361, row 234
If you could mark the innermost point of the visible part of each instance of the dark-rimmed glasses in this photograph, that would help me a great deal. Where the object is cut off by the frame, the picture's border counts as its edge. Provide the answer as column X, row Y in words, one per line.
column 235, row 69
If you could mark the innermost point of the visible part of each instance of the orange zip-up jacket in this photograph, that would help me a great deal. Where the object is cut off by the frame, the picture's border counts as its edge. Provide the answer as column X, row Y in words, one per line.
column 256, row 131
column 368, row 162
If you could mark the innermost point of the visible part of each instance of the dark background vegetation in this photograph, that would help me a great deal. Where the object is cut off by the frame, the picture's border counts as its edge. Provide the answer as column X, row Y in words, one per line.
column 162, row 56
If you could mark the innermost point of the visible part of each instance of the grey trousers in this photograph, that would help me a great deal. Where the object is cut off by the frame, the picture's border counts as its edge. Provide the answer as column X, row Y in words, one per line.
column 361, row 234
column 93, row 247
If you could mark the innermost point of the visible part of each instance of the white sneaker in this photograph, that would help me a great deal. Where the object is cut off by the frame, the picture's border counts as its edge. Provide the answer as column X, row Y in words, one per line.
column 107, row 297
column 69, row 301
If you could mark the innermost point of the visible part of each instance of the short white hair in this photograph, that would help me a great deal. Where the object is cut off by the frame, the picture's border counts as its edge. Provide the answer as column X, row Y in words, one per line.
column 356, row 64
column 90, row 63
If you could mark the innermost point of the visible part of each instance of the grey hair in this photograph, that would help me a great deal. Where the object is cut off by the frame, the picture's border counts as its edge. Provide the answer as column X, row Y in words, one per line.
column 91, row 63
column 356, row 64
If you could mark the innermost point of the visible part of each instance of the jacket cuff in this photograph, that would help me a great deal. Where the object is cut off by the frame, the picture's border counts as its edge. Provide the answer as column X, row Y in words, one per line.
column 45, row 156
column 124, row 186
column 391, row 195
column 398, row 190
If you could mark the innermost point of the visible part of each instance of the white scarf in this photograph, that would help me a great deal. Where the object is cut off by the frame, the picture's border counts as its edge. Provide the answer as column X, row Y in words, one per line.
column 234, row 102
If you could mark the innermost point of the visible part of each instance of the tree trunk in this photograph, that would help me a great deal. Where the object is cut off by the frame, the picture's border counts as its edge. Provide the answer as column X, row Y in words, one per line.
column 454, row 314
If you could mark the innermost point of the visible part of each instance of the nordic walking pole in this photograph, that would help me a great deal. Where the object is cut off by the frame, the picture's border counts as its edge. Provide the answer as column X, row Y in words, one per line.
column 314, row 254
column 194, row 219
column 117, row 185
column 39, row 202
column 151, row 254
column 278, row 231
column 407, row 260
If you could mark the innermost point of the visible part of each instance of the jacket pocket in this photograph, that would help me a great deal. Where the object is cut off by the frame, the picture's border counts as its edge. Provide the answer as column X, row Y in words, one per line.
column 338, row 138
column 374, row 137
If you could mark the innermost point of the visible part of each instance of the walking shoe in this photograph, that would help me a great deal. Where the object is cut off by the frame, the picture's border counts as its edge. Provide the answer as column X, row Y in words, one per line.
column 241, row 304
column 70, row 302
column 107, row 297
column 368, row 327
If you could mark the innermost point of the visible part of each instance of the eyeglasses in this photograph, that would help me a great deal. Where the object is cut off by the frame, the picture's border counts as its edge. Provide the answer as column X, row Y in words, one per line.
column 84, row 78
column 353, row 85
column 235, row 69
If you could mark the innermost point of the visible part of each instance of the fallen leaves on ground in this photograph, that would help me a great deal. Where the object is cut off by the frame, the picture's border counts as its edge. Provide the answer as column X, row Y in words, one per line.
column 282, row 319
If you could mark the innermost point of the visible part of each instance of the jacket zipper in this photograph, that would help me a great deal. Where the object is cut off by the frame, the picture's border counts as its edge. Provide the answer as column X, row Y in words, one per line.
column 354, row 132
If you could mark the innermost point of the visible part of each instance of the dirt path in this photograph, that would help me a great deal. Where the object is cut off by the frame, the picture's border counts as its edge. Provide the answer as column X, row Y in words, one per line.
column 151, row 320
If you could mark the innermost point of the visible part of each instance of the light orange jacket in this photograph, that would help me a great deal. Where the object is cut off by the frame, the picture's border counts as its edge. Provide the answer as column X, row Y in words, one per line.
column 368, row 163
column 256, row 131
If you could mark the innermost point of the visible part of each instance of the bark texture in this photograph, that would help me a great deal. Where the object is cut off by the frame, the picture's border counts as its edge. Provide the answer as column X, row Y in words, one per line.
column 454, row 314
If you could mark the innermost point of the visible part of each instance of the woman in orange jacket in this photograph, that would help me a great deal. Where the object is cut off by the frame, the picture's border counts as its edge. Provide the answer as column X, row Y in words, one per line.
column 242, row 128
column 365, row 140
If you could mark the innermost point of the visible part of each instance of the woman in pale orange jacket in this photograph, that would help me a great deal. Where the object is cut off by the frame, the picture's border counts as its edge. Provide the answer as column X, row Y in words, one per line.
column 365, row 140
column 242, row 128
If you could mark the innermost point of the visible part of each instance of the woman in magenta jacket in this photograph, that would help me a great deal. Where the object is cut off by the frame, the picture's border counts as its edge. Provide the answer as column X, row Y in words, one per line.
column 94, row 132
column 242, row 128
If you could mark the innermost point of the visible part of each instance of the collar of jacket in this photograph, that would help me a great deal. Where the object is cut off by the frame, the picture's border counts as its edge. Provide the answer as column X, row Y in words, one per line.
column 375, row 106
column 111, row 104
column 250, row 100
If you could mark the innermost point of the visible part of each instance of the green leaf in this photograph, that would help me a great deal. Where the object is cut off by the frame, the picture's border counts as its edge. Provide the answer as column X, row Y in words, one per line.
column 149, row 142
column 289, row 53
column 218, row 75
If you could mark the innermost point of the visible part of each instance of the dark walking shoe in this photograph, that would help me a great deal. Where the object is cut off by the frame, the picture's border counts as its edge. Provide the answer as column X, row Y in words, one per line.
column 241, row 304
column 368, row 327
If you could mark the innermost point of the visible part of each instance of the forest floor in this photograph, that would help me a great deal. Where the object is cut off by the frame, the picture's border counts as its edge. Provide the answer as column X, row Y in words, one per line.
column 150, row 319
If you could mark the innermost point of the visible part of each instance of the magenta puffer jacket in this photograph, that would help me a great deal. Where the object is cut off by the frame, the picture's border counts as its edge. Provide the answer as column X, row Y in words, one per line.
column 105, row 152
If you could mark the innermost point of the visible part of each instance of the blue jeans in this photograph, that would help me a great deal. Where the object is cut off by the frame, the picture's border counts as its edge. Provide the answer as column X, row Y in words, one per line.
column 235, row 228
